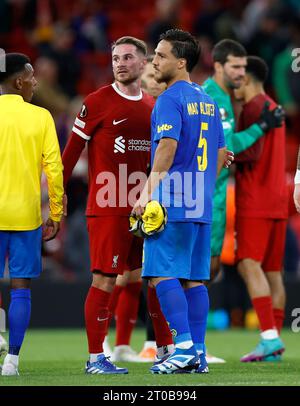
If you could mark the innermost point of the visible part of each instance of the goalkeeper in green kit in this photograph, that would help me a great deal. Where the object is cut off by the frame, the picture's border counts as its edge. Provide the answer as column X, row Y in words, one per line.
column 230, row 60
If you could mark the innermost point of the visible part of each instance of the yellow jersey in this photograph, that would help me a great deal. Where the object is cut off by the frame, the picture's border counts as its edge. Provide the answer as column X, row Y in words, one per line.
column 28, row 146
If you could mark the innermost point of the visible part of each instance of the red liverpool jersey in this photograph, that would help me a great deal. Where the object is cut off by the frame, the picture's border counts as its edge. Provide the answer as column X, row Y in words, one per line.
column 261, row 189
column 117, row 129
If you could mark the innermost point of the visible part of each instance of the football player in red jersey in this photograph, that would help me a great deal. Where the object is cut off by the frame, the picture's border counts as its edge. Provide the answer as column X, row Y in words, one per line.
column 261, row 215
column 115, row 123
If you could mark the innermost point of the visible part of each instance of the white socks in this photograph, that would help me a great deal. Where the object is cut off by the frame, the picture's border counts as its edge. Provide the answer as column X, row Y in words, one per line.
column 269, row 334
column 94, row 357
column 12, row 359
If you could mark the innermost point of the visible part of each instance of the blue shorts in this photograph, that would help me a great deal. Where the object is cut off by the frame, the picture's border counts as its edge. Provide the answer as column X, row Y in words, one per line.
column 181, row 251
column 23, row 249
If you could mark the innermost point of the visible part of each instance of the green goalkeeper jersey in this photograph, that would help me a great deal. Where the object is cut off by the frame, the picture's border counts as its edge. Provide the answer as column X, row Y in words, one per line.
column 235, row 141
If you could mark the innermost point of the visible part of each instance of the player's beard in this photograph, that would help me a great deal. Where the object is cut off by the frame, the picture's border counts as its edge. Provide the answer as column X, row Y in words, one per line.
column 127, row 80
column 165, row 77
column 231, row 84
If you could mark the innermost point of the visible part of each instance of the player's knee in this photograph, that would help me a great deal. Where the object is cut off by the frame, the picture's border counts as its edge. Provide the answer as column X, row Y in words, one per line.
column 104, row 282
column 247, row 265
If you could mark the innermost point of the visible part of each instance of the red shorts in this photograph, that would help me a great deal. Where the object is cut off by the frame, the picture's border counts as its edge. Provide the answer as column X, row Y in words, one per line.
column 113, row 249
column 262, row 240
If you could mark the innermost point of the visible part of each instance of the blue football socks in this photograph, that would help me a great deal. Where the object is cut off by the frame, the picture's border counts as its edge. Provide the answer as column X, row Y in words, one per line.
column 18, row 318
column 175, row 309
column 198, row 306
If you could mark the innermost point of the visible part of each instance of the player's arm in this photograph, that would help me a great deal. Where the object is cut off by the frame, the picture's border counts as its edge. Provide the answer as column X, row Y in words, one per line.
column 71, row 154
column 83, row 127
column 52, row 166
column 163, row 160
column 297, row 185
column 253, row 153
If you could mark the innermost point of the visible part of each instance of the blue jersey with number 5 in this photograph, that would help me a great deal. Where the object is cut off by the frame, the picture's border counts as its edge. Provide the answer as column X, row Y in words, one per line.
column 184, row 112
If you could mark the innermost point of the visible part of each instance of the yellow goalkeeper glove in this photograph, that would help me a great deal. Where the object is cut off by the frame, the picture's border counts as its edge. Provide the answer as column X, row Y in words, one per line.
column 153, row 220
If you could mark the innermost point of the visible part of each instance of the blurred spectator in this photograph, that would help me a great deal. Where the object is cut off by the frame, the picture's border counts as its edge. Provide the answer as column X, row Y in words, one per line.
column 90, row 24
column 205, row 22
column 227, row 25
column 167, row 18
column 252, row 16
column 48, row 93
column 5, row 17
column 270, row 39
column 62, row 51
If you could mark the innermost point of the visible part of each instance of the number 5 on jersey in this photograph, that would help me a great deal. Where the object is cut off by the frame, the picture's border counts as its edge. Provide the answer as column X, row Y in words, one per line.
column 202, row 159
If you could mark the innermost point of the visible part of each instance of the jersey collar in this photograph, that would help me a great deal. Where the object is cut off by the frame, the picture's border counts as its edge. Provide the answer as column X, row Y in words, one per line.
column 135, row 98
column 15, row 97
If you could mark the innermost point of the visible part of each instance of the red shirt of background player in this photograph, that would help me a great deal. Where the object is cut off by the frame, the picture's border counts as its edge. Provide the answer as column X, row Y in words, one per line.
column 261, row 190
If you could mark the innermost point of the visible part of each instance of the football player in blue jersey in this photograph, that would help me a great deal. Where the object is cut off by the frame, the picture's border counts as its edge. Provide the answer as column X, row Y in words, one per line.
column 188, row 149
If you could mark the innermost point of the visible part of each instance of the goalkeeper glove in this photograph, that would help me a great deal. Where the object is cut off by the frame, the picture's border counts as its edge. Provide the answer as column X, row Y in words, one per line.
column 153, row 220
column 270, row 119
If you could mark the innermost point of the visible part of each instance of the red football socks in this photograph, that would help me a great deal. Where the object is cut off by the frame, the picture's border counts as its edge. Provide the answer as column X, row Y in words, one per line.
column 113, row 301
column 96, row 318
column 126, row 312
column 264, row 310
column 162, row 332
column 279, row 318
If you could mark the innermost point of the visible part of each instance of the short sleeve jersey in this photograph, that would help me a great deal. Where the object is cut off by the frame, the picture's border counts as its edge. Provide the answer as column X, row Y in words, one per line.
column 184, row 112
column 261, row 189
column 117, row 128
column 28, row 145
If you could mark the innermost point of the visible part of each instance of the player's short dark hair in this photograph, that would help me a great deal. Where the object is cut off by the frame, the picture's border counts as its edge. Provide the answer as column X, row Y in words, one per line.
column 138, row 43
column 257, row 68
column 227, row 47
column 14, row 63
column 184, row 45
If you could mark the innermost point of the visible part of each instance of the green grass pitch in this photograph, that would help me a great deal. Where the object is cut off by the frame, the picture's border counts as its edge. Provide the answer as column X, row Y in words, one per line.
column 57, row 357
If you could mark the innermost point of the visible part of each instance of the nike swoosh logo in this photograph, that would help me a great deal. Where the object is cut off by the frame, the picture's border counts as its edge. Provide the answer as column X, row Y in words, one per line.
column 120, row 121
column 98, row 318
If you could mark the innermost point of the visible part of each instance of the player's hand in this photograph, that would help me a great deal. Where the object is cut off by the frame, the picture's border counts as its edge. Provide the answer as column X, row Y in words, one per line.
column 297, row 197
column 229, row 158
column 65, row 205
column 50, row 229
column 270, row 119
column 138, row 209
